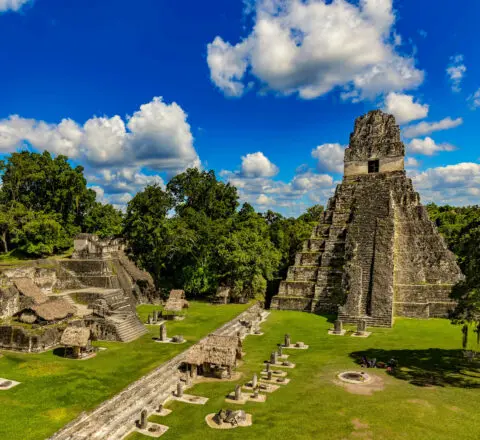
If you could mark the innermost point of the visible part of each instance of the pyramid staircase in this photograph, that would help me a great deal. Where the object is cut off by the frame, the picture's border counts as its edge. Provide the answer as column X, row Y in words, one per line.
column 314, row 283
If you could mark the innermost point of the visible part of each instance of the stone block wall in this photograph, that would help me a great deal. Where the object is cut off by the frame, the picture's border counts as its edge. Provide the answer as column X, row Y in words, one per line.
column 29, row 341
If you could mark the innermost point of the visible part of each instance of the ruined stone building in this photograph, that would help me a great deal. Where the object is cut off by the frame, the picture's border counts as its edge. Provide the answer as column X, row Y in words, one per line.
column 375, row 254
column 98, row 288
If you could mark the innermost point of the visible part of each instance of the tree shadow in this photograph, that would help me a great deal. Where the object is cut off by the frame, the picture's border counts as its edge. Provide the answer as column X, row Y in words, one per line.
column 430, row 367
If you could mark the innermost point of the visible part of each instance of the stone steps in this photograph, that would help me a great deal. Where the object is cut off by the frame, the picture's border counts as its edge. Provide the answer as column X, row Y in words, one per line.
column 127, row 326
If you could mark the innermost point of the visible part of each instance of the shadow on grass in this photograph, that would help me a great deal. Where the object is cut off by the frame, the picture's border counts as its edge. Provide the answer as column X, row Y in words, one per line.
column 60, row 351
column 431, row 367
column 330, row 318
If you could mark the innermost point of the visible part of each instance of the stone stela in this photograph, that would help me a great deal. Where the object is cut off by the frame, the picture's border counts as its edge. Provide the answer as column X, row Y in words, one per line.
column 375, row 252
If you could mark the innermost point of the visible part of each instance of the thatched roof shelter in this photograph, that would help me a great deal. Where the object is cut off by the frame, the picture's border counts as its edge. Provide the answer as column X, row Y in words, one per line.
column 54, row 310
column 177, row 294
column 75, row 337
column 176, row 301
column 217, row 350
column 221, row 356
column 28, row 288
column 223, row 341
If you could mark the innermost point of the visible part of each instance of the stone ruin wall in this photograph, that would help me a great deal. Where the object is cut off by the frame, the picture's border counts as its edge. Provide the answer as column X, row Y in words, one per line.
column 29, row 341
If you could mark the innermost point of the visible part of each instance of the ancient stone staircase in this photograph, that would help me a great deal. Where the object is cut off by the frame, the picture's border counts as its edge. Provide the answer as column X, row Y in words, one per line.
column 314, row 283
column 127, row 326
column 123, row 317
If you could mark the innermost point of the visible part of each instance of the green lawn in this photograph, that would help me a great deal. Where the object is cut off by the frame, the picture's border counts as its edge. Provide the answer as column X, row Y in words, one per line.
column 54, row 390
column 311, row 406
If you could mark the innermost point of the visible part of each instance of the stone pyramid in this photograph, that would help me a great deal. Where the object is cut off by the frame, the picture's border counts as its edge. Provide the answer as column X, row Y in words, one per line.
column 376, row 254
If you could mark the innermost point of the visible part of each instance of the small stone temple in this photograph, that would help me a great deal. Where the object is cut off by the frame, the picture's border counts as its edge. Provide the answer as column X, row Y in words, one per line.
column 375, row 254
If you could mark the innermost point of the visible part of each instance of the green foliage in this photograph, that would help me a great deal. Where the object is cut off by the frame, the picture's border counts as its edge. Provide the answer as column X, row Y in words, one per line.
column 201, row 191
column 42, row 183
column 207, row 242
column 460, row 227
column 44, row 202
column 104, row 220
column 146, row 228
column 248, row 256
column 41, row 235
column 288, row 235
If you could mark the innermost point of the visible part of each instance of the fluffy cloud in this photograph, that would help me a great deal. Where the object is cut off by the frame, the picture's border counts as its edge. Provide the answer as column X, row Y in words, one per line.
column 411, row 162
column 312, row 47
column 330, row 157
column 114, row 151
column 157, row 136
column 403, row 108
column 292, row 198
column 257, row 165
column 428, row 147
column 12, row 5
column 264, row 200
column 457, row 184
column 456, row 71
column 475, row 99
column 424, row 128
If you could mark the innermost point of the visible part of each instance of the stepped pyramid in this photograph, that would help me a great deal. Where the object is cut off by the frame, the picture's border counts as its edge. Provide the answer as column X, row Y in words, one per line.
column 376, row 254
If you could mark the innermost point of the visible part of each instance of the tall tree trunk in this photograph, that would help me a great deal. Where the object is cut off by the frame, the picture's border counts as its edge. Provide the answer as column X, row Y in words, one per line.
column 4, row 241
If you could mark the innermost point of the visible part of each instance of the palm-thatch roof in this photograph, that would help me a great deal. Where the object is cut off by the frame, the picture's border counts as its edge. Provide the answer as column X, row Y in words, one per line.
column 223, row 341
column 175, row 305
column 54, row 310
column 176, row 301
column 28, row 288
column 177, row 294
column 75, row 337
column 203, row 354
column 216, row 349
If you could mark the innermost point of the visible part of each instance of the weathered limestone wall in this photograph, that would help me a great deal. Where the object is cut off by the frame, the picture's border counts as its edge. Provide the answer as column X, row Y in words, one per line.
column 387, row 165
column 116, row 417
column 29, row 341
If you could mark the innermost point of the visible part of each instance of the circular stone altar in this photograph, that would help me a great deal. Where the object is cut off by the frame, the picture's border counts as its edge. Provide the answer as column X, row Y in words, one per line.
column 354, row 377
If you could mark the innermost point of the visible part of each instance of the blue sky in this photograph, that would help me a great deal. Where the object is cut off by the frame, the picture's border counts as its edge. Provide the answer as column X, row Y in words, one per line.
column 264, row 92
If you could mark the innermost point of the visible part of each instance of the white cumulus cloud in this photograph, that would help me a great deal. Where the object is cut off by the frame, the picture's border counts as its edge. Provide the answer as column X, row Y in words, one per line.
column 312, row 47
column 115, row 151
column 457, row 184
column 424, row 128
column 427, row 146
column 404, row 108
column 456, row 71
column 12, row 5
column 257, row 165
column 475, row 99
column 330, row 157
column 158, row 136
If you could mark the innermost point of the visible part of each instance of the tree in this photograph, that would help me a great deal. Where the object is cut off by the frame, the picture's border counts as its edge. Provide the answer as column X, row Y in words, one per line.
column 249, row 259
column 460, row 226
column 146, row 228
column 313, row 214
column 201, row 191
column 51, row 185
column 103, row 220
column 42, row 235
